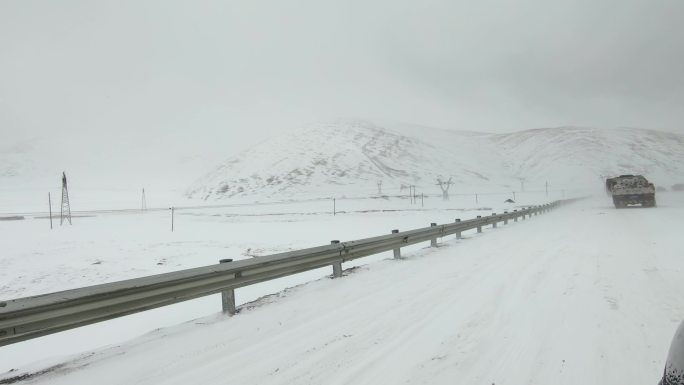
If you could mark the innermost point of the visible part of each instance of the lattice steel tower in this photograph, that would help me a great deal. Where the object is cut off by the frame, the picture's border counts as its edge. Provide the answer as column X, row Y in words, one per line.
column 66, row 209
column 445, row 187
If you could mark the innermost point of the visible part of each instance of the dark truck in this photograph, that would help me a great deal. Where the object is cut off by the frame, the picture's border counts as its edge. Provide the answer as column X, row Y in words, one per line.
column 631, row 190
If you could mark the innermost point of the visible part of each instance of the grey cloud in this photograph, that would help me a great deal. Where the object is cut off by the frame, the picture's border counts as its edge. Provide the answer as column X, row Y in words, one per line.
column 239, row 71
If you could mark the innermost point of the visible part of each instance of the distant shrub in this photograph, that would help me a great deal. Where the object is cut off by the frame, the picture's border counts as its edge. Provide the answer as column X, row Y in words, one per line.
column 678, row 187
column 661, row 189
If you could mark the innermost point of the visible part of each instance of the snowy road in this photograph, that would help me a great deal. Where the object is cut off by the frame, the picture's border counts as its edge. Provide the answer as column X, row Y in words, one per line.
column 584, row 295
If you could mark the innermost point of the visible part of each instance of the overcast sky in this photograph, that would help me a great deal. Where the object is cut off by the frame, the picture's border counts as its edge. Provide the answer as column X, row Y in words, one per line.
column 235, row 71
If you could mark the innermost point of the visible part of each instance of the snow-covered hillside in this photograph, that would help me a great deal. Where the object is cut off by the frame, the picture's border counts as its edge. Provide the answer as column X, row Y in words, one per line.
column 348, row 158
column 343, row 158
column 585, row 154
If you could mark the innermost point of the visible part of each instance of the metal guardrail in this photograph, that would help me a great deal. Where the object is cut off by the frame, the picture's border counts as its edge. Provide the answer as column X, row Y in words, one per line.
column 30, row 317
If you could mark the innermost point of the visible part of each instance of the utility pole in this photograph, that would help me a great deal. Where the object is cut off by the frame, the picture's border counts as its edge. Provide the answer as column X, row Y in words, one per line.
column 66, row 207
column 143, row 205
column 379, row 187
column 445, row 188
column 50, row 206
column 172, row 212
column 547, row 188
column 522, row 184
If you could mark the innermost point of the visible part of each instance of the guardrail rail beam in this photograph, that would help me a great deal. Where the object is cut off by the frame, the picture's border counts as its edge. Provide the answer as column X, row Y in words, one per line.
column 30, row 317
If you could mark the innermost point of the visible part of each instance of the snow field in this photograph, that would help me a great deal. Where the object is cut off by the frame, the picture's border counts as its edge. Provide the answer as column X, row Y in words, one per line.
column 585, row 294
column 102, row 248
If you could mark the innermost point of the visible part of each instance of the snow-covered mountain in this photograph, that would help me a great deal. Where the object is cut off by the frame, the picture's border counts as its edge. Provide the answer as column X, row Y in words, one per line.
column 583, row 154
column 349, row 158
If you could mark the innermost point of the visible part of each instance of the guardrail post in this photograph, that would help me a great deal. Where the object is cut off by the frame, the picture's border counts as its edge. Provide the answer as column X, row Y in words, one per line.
column 228, row 296
column 494, row 224
column 397, row 251
column 458, row 233
column 506, row 217
column 337, row 266
column 515, row 215
column 433, row 241
column 479, row 227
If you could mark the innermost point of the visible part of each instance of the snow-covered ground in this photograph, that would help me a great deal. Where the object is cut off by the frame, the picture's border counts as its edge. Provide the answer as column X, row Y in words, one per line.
column 584, row 295
column 105, row 247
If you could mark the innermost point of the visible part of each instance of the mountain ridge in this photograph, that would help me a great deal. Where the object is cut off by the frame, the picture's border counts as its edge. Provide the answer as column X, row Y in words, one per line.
column 352, row 157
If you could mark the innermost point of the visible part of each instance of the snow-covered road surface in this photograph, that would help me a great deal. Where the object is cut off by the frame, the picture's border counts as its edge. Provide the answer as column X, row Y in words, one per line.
column 584, row 295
